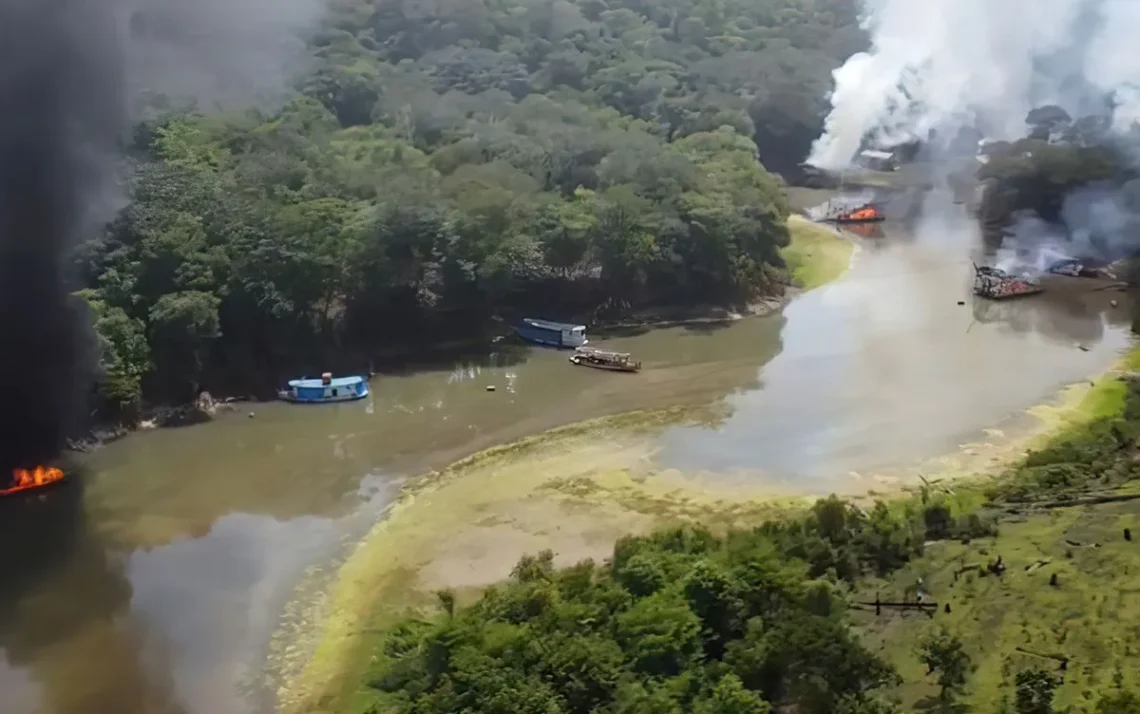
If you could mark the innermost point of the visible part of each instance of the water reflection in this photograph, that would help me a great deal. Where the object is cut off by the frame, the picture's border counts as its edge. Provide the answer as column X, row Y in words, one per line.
column 867, row 231
column 63, row 599
column 1065, row 314
column 892, row 365
column 179, row 628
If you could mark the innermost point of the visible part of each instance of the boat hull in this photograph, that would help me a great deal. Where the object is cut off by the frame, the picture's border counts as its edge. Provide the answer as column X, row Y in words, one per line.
column 547, row 338
column 610, row 367
column 352, row 397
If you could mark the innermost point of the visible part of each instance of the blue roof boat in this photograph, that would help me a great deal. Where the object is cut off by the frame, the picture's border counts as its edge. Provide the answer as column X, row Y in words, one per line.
column 552, row 334
column 325, row 390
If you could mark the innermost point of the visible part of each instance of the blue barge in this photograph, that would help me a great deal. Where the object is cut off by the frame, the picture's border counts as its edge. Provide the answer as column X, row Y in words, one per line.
column 552, row 334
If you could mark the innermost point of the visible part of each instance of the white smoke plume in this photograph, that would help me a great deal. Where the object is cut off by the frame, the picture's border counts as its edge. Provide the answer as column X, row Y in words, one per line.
column 943, row 64
column 1099, row 225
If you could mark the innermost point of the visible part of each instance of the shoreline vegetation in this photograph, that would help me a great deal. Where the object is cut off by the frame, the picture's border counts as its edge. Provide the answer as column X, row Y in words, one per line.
column 608, row 480
column 424, row 174
column 564, row 491
column 815, row 255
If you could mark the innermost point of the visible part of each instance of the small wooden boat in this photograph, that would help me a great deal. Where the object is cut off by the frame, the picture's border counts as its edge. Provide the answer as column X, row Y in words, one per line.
column 600, row 359
column 325, row 390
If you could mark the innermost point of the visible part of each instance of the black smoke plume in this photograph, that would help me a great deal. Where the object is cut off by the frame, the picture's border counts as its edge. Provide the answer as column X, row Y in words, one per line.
column 61, row 111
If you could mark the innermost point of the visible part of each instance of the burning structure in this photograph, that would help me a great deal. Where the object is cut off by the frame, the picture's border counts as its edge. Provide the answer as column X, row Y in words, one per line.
column 997, row 284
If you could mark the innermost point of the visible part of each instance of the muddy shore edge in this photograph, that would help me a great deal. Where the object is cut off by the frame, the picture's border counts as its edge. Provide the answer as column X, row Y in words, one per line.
column 574, row 489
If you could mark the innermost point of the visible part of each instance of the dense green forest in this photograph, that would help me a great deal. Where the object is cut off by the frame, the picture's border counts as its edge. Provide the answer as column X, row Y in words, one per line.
column 445, row 161
column 762, row 620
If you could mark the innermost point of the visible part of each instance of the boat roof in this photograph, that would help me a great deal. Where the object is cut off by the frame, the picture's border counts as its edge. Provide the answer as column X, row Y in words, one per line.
column 872, row 154
column 601, row 353
column 336, row 382
column 553, row 325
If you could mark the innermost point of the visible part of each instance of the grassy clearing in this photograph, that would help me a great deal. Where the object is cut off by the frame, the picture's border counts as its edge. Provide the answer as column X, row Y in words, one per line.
column 817, row 255
column 1092, row 615
column 1018, row 620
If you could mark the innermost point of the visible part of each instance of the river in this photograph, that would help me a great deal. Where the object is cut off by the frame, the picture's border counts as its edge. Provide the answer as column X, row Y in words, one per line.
column 154, row 581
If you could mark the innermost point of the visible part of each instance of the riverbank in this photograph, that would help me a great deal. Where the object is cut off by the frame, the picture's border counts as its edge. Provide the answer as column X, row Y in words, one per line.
column 816, row 255
column 1064, row 518
column 575, row 491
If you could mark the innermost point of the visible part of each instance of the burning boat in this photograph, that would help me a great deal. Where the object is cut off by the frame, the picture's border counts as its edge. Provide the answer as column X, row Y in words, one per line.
column 1074, row 268
column 995, row 284
column 23, row 480
column 844, row 214
column 863, row 214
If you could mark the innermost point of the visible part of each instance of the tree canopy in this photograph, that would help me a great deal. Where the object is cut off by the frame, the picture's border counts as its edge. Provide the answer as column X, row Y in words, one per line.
column 681, row 621
column 443, row 161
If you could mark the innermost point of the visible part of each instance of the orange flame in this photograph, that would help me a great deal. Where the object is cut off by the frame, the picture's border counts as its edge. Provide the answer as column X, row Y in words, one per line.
column 867, row 213
column 27, row 479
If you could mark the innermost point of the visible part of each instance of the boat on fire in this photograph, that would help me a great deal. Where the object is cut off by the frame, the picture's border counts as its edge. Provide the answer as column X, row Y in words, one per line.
column 996, row 284
column 325, row 390
column 601, row 359
column 846, row 213
column 33, row 479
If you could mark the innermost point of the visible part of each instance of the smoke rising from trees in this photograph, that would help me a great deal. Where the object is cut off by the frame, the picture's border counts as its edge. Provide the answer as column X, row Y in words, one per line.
column 944, row 64
column 72, row 72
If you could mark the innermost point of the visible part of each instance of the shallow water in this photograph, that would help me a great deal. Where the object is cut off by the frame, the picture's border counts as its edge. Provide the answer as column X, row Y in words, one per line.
column 152, row 582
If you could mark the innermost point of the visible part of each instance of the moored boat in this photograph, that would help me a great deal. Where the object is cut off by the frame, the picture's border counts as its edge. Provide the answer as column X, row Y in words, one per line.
column 601, row 359
column 552, row 334
column 325, row 390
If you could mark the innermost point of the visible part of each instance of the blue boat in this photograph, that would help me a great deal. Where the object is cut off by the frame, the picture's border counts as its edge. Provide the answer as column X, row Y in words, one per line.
column 325, row 390
column 552, row 334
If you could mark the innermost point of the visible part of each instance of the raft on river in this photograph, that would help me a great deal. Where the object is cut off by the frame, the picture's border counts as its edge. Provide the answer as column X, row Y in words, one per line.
column 325, row 390
column 600, row 359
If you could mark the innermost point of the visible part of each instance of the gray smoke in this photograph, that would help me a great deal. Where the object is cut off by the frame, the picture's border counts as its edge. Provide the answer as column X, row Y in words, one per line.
column 216, row 54
column 71, row 71
column 1098, row 225
column 944, row 64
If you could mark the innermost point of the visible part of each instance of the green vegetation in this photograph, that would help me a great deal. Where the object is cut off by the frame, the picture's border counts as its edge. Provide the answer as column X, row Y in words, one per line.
column 816, row 255
column 679, row 621
column 769, row 618
column 445, row 162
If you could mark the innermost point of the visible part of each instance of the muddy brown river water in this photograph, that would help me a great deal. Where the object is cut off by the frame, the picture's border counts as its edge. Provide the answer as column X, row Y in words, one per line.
column 154, row 582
